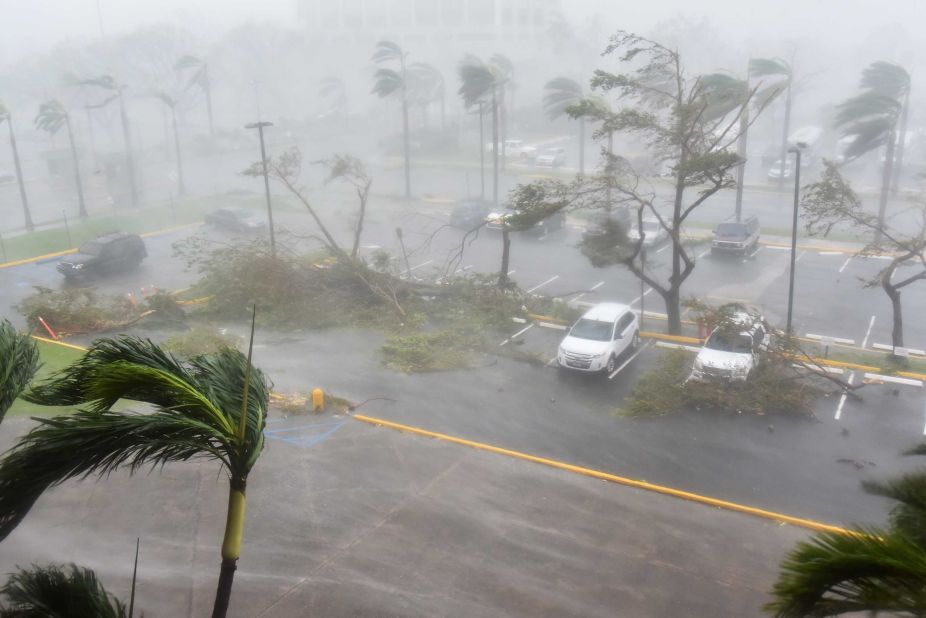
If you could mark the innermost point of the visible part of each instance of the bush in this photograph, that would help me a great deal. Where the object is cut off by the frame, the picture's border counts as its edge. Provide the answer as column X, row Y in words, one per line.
column 440, row 351
column 200, row 340
column 76, row 310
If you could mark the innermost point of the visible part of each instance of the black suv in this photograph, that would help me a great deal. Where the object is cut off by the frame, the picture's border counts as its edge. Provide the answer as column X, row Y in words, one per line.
column 104, row 254
column 469, row 213
column 739, row 238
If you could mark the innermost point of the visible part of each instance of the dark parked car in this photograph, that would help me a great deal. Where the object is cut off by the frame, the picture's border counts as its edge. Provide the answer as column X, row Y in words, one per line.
column 556, row 221
column 469, row 213
column 740, row 238
column 236, row 220
column 113, row 252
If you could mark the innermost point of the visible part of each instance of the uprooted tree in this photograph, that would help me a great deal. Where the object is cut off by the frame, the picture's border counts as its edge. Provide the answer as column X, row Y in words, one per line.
column 831, row 201
column 675, row 115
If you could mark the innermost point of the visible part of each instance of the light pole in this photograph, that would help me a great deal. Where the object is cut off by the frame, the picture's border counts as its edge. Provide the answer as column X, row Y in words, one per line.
column 796, row 150
column 263, row 158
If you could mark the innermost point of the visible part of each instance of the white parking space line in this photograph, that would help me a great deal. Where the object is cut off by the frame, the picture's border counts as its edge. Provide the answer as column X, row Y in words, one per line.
column 663, row 248
column 520, row 332
column 627, row 362
column 552, row 325
column 878, row 377
column 702, row 254
column 778, row 247
column 593, row 288
column 834, row 339
column 829, row 253
column 846, row 263
column 842, row 398
column 677, row 346
column 511, row 272
column 540, row 285
column 868, row 332
column 420, row 265
column 898, row 350
column 799, row 256
column 638, row 298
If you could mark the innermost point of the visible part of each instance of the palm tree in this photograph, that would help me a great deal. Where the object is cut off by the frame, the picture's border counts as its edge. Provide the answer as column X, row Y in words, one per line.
column 784, row 72
column 19, row 360
column 390, row 82
column 428, row 86
column 871, row 120
column 171, row 104
column 868, row 569
column 561, row 93
column 478, row 82
column 60, row 591
column 199, row 77
column 106, row 82
column 892, row 81
column 505, row 69
column 51, row 117
column 6, row 115
column 210, row 407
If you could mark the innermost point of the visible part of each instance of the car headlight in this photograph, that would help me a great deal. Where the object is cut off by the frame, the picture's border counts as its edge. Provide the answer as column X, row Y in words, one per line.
column 77, row 266
column 698, row 365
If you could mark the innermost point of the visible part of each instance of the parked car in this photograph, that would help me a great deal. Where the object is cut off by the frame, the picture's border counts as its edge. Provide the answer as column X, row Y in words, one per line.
column 557, row 221
column 551, row 157
column 599, row 338
column 733, row 350
column 236, row 220
column 600, row 221
column 653, row 233
column 469, row 213
column 515, row 148
column 113, row 252
column 740, row 238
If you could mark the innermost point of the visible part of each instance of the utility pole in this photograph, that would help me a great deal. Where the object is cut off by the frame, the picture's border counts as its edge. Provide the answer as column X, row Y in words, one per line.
column 796, row 150
column 263, row 157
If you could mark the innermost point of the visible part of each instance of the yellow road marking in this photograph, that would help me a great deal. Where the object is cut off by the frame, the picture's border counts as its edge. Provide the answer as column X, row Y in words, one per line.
column 660, row 489
column 676, row 338
column 61, row 343
column 168, row 230
column 36, row 259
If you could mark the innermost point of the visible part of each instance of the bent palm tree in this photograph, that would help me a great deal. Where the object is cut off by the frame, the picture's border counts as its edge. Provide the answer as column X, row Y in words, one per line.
column 171, row 104
column 892, row 81
column 6, row 115
column 504, row 67
column 59, row 591
column 561, row 93
column 478, row 82
column 428, row 86
column 391, row 82
column 51, row 117
column 784, row 72
column 867, row 570
column 209, row 407
column 19, row 360
column 199, row 76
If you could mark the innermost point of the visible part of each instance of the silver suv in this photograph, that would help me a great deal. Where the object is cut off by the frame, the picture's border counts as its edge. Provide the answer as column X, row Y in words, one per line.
column 738, row 238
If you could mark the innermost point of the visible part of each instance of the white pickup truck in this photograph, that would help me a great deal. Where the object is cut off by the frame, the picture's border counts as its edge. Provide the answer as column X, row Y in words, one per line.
column 515, row 149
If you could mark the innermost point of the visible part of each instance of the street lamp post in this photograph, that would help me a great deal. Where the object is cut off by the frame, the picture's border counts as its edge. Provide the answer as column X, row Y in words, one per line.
column 263, row 157
column 796, row 150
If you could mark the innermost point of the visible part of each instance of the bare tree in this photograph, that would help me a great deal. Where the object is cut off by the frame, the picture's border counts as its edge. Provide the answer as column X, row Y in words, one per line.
column 832, row 201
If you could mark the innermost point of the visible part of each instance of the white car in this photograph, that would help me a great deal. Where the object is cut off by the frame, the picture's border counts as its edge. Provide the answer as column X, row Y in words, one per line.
column 515, row 148
column 599, row 337
column 733, row 350
column 653, row 233
column 551, row 157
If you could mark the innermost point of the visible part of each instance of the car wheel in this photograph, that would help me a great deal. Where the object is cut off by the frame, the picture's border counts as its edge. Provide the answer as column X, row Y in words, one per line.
column 611, row 366
column 636, row 340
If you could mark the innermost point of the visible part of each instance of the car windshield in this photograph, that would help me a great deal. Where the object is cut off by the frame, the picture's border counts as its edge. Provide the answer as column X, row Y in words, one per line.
column 728, row 342
column 731, row 229
column 91, row 248
column 595, row 330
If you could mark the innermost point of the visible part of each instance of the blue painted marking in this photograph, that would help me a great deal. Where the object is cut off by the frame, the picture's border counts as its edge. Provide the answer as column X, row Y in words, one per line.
column 299, row 427
column 306, row 441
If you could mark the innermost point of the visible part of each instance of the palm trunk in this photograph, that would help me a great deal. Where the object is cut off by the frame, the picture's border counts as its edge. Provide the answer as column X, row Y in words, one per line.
column 495, row 149
column 443, row 112
column 672, row 296
column 581, row 146
column 506, row 257
column 610, row 154
column 741, row 170
column 19, row 176
column 92, row 138
column 181, row 187
column 886, row 171
column 894, row 294
column 482, row 152
column 129, row 155
column 231, row 546
column 80, row 187
column 901, row 142
column 208, row 89
column 504, row 129
column 784, row 137
column 408, row 174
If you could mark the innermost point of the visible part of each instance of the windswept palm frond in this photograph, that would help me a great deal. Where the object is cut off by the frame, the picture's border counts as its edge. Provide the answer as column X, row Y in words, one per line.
column 387, row 51
column 870, row 118
column 187, row 62
column 768, row 67
column 504, row 65
column 477, row 81
column 425, row 81
column 331, row 86
column 58, row 591
column 908, row 516
column 107, row 82
column 561, row 92
column 887, row 79
column 51, row 116
column 199, row 77
column 721, row 94
column 387, row 82
column 871, row 570
column 19, row 360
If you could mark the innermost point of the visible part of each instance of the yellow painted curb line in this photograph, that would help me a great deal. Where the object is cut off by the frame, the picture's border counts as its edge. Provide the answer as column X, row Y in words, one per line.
column 36, row 259
column 676, row 338
column 61, row 343
column 437, row 200
column 660, row 489
column 168, row 230
column 546, row 318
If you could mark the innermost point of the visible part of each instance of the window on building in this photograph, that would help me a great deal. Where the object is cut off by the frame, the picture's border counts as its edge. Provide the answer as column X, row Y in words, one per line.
column 427, row 13
column 352, row 13
column 452, row 12
column 401, row 12
column 482, row 12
